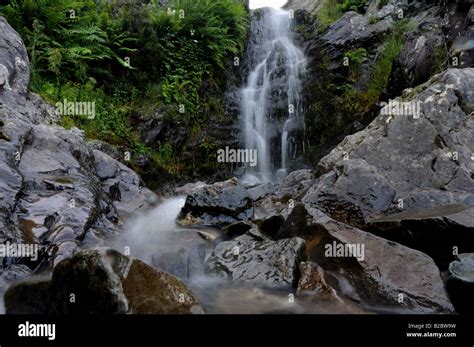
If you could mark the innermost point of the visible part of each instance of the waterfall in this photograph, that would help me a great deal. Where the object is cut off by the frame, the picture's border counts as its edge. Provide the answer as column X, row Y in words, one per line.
column 271, row 99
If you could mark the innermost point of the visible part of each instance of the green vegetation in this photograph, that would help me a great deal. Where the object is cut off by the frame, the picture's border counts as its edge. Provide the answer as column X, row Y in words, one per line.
column 131, row 58
column 356, row 57
column 336, row 106
column 331, row 10
column 382, row 3
column 352, row 5
column 358, row 102
column 373, row 20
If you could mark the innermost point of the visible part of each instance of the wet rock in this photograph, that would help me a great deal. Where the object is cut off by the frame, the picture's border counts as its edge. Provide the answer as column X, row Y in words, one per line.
column 51, row 184
column 340, row 192
column 218, row 204
column 380, row 271
column 435, row 231
column 313, row 281
column 150, row 291
column 270, row 225
column 461, row 282
column 102, row 281
column 293, row 188
column 402, row 162
column 261, row 191
column 123, row 185
column 272, row 264
column 423, row 55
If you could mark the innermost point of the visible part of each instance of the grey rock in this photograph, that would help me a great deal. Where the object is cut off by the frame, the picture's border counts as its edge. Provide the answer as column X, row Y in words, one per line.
column 189, row 187
column 379, row 272
column 270, row 264
column 51, row 191
column 122, row 185
column 260, row 191
column 14, row 58
column 293, row 187
column 461, row 282
column 434, row 231
column 350, row 31
column 218, row 204
column 424, row 53
column 402, row 161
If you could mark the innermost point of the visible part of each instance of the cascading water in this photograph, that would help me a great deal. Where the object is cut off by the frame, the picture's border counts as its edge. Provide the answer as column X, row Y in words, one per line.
column 272, row 92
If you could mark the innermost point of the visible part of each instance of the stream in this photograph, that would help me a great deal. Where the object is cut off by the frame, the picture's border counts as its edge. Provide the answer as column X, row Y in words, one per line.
column 275, row 66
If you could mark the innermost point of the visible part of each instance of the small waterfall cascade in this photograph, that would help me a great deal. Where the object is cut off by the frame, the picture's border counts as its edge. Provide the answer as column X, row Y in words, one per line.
column 271, row 100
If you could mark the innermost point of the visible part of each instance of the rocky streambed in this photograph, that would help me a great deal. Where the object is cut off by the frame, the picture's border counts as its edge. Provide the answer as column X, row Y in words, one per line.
column 382, row 224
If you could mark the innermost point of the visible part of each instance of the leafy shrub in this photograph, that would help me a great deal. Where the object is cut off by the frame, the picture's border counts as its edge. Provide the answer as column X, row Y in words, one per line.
column 128, row 56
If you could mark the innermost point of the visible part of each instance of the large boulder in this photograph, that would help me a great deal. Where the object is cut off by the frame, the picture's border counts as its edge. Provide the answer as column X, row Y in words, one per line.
column 270, row 264
column 217, row 204
column 461, row 282
column 292, row 188
column 122, row 185
column 404, row 161
column 440, row 232
column 102, row 281
column 369, row 269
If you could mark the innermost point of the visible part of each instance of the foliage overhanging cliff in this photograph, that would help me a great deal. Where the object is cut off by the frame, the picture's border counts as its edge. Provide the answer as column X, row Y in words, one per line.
column 142, row 63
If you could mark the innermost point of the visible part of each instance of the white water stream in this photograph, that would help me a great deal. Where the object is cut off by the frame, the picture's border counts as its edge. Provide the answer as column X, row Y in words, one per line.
column 276, row 48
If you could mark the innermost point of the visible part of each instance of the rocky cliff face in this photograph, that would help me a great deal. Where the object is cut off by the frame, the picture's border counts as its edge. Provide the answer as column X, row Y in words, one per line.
column 400, row 187
column 366, row 58
column 56, row 192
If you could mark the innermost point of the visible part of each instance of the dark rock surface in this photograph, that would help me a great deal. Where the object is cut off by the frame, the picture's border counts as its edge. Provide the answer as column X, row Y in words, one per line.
column 373, row 271
column 272, row 264
column 424, row 54
column 102, row 281
column 461, row 282
column 51, row 191
column 400, row 163
column 218, row 204
column 439, row 232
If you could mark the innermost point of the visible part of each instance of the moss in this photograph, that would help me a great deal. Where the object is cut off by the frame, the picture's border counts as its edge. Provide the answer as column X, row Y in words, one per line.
column 373, row 20
column 360, row 102
column 441, row 58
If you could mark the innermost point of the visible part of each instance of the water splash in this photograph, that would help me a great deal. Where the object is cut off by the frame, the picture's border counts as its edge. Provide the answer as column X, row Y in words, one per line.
column 151, row 231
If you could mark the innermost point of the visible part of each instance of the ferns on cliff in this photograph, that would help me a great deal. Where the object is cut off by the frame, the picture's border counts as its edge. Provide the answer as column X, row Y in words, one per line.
column 128, row 56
